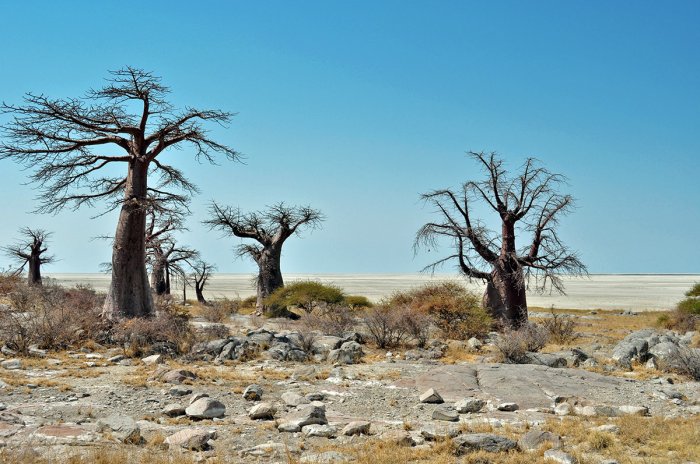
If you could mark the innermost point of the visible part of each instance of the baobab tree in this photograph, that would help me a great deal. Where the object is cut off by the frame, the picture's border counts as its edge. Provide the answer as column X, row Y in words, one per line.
column 30, row 251
column 201, row 272
column 74, row 144
column 527, row 204
column 270, row 229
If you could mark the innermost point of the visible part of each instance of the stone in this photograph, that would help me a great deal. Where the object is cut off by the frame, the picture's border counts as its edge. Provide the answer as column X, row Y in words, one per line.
column 474, row 343
column 294, row 399
column 191, row 439
column 153, row 359
column 180, row 391
column 508, row 407
column 116, row 359
column 482, row 442
column 262, row 411
column 319, row 430
column 349, row 352
column 173, row 410
column 607, row 428
column 628, row 410
column 544, row 359
column 11, row 364
column 314, row 413
column 431, row 396
column 197, row 396
column 212, row 347
column 177, row 376
column 597, row 410
column 205, row 408
column 435, row 432
column 327, row 457
column 445, row 413
column 268, row 450
column 469, row 405
column 399, row 437
column 533, row 439
column 295, row 355
column 122, row 428
column 559, row 456
column 563, row 409
column 253, row 392
column 315, row 396
column 356, row 428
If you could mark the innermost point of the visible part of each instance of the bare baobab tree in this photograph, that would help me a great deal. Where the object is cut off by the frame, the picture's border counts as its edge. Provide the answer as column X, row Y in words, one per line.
column 30, row 250
column 270, row 229
column 74, row 144
column 527, row 204
column 201, row 272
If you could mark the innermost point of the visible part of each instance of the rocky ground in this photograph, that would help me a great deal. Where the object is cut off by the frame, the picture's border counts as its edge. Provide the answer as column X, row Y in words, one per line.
column 259, row 396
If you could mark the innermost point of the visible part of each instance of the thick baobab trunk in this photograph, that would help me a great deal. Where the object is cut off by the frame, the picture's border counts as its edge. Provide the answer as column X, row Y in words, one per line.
column 129, row 294
column 270, row 274
column 493, row 303
column 158, row 276
column 34, row 275
column 509, row 283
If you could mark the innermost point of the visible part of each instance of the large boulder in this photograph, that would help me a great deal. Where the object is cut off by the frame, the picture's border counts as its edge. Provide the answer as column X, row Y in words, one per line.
column 469, row 405
column 205, row 408
column 314, row 413
column 123, row 428
column 482, row 442
column 349, row 352
column 191, row 439
column 544, row 359
column 262, row 411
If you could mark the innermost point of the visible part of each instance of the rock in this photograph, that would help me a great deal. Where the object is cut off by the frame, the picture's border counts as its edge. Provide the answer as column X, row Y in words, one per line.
column 197, row 396
column 315, row 396
column 180, row 391
column 253, row 392
column 544, row 359
column 212, row 347
column 63, row 433
column 356, row 428
column 652, row 364
column 173, row 410
column 399, row 437
column 563, row 409
column 607, row 428
column 349, row 353
column 268, row 450
column 634, row 347
column 435, row 432
column 482, row 441
column 11, row 364
column 191, row 439
column 264, row 411
column 318, row 430
column 431, row 396
column 177, row 376
column 122, row 428
column 328, row 457
column 116, row 359
column 559, row 457
column 323, row 345
column 508, row 407
column 295, row 355
column 469, row 405
column 535, row 438
column 294, row 399
column 419, row 353
column 153, row 359
column 445, row 413
column 227, row 350
column 314, row 413
column 628, row 410
column 474, row 343
column 205, row 408
column 597, row 410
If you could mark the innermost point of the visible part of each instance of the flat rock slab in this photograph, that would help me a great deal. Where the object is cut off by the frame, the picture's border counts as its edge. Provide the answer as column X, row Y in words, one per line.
column 530, row 386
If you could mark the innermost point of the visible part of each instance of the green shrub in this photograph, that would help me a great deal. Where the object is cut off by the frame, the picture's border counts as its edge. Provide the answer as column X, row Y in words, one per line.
column 357, row 302
column 306, row 295
column 686, row 316
column 455, row 310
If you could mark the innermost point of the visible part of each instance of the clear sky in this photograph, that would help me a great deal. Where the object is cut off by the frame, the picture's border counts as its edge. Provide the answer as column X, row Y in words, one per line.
column 357, row 107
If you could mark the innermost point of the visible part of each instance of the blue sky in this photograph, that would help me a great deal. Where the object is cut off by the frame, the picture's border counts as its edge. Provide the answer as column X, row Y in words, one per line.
column 357, row 107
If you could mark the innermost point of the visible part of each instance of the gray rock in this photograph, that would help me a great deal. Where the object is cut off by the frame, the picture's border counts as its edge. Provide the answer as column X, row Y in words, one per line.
column 191, row 439
column 563, row 409
column 474, row 343
column 607, row 428
column 350, row 352
column 314, row 413
column 535, row 438
column 399, row 437
column 205, row 408
column 153, row 359
column 294, row 399
column 264, row 411
column 253, row 392
column 482, row 441
column 628, row 410
column 212, row 347
column 173, row 410
column 328, row 457
column 177, row 376
column 469, row 405
column 116, row 359
column 295, row 355
column 431, row 396
column 180, row 391
column 315, row 396
column 599, row 410
column 11, row 364
column 197, row 396
column 260, row 336
column 122, row 428
column 318, row 430
column 437, row 432
column 544, row 359
column 508, row 407
column 445, row 413
column 559, row 456
column 419, row 353
column 356, row 428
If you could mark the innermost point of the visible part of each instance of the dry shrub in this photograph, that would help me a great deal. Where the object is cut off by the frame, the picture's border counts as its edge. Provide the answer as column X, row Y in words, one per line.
column 679, row 320
column 51, row 317
column 561, row 328
column 385, row 326
column 334, row 321
column 417, row 324
column 456, row 311
column 220, row 310
column 515, row 344
column 168, row 332
column 9, row 282
column 212, row 332
column 685, row 362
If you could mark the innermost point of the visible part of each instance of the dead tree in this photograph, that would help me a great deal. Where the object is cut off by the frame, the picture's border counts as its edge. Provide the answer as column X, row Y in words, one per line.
column 30, row 251
column 201, row 272
column 270, row 229
column 73, row 145
column 528, row 204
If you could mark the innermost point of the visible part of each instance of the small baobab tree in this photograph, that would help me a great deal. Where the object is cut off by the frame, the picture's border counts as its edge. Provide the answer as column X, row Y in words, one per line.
column 30, row 251
column 201, row 272
column 74, row 145
column 270, row 229
column 526, row 204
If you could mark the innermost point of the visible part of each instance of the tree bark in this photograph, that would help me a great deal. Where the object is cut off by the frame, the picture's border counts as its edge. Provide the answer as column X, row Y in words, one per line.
column 509, row 283
column 198, row 291
column 270, row 274
column 34, row 275
column 129, row 294
column 158, row 276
